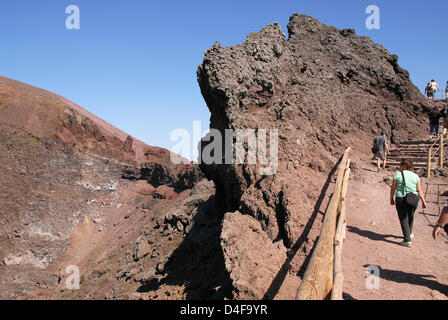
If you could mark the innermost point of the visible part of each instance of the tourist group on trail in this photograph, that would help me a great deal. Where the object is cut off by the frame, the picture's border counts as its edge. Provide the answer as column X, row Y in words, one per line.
column 406, row 190
column 433, row 87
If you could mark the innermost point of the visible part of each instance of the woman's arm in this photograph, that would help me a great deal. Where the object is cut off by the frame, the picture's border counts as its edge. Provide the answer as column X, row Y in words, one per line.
column 442, row 220
column 420, row 193
column 392, row 192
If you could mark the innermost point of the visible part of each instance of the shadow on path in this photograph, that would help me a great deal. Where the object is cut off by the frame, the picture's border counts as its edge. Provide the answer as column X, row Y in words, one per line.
column 413, row 278
column 428, row 214
column 373, row 235
column 346, row 296
column 370, row 170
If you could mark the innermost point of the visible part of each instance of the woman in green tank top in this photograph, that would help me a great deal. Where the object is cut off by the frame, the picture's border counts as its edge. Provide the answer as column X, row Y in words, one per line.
column 398, row 191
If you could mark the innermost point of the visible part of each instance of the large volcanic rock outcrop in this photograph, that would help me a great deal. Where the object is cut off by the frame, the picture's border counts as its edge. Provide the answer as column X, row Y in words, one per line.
column 324, row 89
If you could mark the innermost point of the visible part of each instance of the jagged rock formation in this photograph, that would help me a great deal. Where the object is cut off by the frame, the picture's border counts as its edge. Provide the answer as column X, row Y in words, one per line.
column 324, row 89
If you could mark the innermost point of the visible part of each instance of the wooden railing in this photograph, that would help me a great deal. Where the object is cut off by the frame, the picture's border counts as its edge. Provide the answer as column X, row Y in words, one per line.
column 323, row 278
column 432, row 154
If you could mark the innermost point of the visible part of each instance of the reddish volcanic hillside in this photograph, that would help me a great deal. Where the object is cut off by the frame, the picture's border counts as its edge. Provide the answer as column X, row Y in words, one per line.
column 77, row 191
column 47, row 115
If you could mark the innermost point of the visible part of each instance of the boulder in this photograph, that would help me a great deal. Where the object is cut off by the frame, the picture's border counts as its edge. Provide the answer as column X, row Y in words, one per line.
column 251, row 258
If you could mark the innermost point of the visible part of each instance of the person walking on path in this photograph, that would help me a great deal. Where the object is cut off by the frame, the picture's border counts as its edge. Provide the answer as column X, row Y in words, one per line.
column 441, row 222
column 381, row 148
column 434, row 119
column 433, row 87
column 444, row 115
column 446, row 91
column 427, row 93
column 406, row 181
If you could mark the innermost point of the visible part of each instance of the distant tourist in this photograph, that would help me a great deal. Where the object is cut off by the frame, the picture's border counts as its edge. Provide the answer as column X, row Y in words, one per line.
column 441, row 222
column 446, row 91
column 406, row 181
column 381, row 150
column 433, row 87
column 427, row 93
column 434, row 119
column 444, row 115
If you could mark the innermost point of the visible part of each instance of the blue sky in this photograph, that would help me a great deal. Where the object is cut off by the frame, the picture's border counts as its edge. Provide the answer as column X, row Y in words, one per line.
column 133, row 63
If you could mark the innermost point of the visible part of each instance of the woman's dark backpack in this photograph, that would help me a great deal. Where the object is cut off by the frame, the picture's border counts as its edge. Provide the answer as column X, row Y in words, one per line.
column 411, row 198
column 376, row 147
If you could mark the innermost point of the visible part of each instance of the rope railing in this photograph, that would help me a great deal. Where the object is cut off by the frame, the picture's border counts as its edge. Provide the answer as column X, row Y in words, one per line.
column 439, row 151
column 323, row 278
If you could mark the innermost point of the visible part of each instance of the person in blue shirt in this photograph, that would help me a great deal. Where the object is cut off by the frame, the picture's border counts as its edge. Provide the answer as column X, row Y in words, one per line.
column 383, row 150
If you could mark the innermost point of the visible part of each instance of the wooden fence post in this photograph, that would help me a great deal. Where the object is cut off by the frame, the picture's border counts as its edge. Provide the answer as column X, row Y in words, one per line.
column 317, row 282
column 336, row 292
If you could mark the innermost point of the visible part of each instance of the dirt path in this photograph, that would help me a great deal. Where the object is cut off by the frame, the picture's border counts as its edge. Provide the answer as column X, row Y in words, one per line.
column 373, row 237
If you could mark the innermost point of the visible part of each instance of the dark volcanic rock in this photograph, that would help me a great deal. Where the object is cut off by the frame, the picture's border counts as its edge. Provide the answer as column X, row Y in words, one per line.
column 127, row 145
column 240, row 256
column 324, row 89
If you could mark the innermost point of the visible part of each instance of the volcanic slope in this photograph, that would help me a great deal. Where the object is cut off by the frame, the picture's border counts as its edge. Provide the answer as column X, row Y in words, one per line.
column 77, row 191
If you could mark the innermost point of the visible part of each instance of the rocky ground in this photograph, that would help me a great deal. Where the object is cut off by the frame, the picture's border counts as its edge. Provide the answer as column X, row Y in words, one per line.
column 373, row 237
